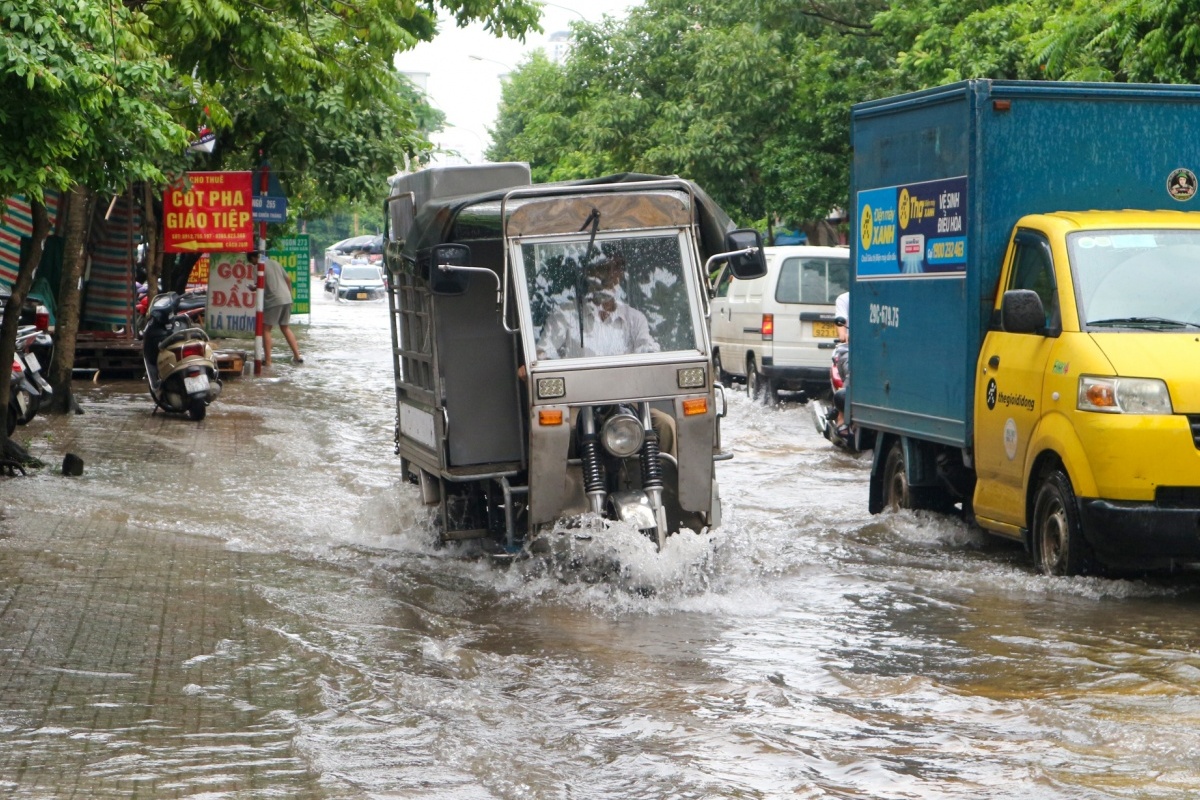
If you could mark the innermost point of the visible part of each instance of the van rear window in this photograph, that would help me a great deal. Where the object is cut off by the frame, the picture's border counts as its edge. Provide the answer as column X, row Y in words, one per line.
column 812, row 280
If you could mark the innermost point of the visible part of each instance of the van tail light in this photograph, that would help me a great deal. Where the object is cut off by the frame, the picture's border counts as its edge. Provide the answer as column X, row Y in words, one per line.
column 768, row 327
column 191, row 350
column 41, row 318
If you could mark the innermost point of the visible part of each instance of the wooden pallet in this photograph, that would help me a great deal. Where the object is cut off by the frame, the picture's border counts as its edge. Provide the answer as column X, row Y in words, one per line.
column 122, row 358
column 111, row 356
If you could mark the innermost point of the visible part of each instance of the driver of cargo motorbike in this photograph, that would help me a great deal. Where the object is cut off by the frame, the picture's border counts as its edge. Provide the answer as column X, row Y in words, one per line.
column 609, row 325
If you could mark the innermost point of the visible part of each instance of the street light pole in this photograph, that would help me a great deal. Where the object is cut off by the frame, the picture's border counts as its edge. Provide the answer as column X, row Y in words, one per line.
column 564, row 8
column 494, row 61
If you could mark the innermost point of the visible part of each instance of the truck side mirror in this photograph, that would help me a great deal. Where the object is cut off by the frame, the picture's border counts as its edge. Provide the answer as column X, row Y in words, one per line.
column 745, row 254
column 449, row 269
column 1021, row 311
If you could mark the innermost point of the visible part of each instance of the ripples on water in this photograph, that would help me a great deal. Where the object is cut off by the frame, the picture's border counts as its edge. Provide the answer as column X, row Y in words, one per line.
column 805, row 649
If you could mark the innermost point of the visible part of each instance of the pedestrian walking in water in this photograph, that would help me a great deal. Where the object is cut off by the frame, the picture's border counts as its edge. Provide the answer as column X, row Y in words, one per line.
column 277, row 306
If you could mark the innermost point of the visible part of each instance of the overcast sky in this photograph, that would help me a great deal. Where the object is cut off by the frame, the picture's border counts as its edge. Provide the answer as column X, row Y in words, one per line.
column 468, row 89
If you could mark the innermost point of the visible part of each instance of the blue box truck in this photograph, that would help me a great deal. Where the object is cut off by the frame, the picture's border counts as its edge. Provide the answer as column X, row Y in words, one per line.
column 1025, row 314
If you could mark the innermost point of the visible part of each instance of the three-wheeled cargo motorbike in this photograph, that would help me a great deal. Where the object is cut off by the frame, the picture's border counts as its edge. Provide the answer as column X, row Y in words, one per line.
column 551, row 348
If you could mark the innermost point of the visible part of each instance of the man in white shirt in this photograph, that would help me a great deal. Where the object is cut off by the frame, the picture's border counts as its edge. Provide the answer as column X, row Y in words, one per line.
column 610, row 326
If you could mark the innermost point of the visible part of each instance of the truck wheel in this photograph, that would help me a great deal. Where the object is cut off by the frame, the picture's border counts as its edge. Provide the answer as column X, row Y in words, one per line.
column 1058, row 544
column 896, row 492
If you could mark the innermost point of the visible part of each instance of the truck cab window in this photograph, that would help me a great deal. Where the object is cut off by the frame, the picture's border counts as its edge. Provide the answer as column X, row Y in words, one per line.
column 623, row 297
column 1033, row 269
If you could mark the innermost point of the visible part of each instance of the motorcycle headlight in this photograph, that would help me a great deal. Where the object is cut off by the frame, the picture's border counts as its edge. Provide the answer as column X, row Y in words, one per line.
column 1123, row 395
column 622, row 435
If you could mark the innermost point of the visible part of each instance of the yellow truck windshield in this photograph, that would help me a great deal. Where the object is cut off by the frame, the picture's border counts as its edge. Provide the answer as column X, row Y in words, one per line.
column 1137, row 279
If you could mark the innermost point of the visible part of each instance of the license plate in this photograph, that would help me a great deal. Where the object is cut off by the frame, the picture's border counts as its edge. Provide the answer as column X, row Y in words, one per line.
column 361, row 296
column 824, row 330
column 197, row 384
column 31, row 363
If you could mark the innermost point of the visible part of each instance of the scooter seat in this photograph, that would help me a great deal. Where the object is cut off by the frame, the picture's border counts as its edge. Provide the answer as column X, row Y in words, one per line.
column 183, row 336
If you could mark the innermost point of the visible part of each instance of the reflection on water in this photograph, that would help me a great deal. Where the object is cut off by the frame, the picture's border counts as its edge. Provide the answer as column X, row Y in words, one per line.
column 254, row 605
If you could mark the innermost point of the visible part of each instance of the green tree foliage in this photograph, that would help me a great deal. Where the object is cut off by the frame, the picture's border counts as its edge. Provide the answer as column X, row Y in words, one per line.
column 751, row 98
column 313, row 87
column 84, row 97
column 1150, row 41
column 103, row 93
column 726, row 93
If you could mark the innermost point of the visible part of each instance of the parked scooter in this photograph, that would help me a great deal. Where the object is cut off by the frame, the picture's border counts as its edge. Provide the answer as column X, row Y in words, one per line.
column 29, row 389
column 178, row 359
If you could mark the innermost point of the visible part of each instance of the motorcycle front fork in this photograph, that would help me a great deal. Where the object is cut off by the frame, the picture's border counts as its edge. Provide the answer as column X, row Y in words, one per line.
column 650, row 458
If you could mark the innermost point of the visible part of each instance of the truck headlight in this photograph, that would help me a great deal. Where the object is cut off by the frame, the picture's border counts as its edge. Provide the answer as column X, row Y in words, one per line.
column 622, row 435
column 1124, row 395
column 549, row 388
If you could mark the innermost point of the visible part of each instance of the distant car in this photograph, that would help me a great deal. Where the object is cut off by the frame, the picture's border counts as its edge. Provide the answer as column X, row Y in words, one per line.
column 359, row 282
column 777, row 332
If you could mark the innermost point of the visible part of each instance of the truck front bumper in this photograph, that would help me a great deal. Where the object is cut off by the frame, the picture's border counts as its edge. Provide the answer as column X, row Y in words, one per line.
column 1141, row 535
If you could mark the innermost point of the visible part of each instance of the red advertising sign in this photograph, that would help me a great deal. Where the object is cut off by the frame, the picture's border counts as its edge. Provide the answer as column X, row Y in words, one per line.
column 213, row 215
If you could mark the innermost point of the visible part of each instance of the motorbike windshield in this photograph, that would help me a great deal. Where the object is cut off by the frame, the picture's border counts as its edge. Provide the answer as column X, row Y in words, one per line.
column 619, row 297
column 1137, row 279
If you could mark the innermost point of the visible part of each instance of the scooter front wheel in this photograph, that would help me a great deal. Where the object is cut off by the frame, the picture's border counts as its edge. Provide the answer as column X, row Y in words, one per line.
column 197, row 408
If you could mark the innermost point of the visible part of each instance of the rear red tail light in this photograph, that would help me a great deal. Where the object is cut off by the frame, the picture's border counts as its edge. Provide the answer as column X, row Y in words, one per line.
column 192, row 350
column 768, row 327
column 41, row 319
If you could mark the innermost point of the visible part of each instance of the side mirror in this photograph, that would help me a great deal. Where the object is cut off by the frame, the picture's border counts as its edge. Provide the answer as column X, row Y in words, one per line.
column 745, row 254
column 1021, row 311
column 449, row 269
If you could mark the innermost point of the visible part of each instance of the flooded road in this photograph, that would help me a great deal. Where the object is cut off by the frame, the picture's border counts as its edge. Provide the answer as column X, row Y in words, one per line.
column 254, row 606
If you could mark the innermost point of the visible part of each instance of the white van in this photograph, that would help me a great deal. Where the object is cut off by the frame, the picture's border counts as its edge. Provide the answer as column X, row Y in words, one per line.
column 776, row 333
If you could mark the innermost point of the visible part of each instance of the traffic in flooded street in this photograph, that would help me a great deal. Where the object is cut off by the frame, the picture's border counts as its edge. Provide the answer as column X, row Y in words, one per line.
column 256, row 605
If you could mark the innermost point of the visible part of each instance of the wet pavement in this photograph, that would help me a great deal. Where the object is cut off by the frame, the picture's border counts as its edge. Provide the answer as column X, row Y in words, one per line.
column 255, row 606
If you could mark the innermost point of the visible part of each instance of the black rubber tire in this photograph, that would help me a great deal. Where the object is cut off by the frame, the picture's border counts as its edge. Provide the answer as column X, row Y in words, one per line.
column 197, row 408
column 897, row 494
column 724, row 377
column 759, row 386
column 1059, row 548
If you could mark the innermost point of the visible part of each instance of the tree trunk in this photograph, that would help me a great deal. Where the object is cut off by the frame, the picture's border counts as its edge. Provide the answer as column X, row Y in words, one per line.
column 20, row 290
column 182, row 270
column 821, row 232
column 77, row 217
column 150, row 232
